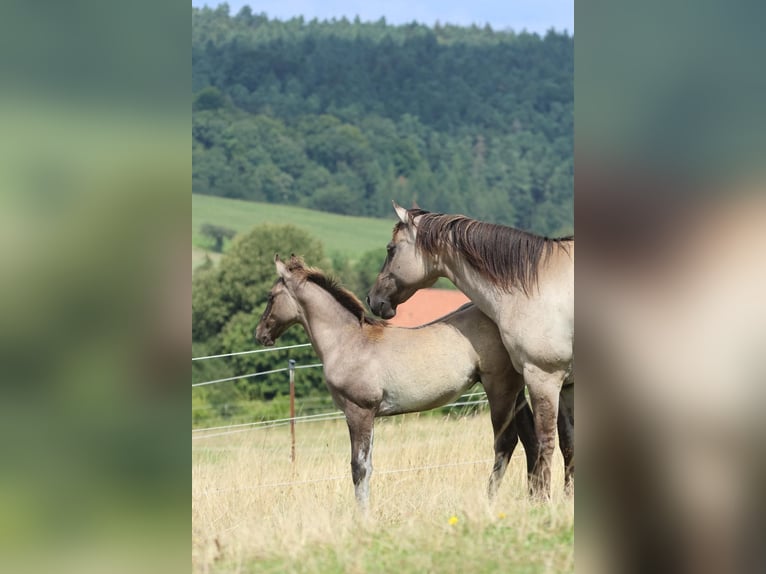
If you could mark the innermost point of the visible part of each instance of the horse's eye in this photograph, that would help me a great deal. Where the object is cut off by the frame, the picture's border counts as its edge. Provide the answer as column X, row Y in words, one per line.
column 390, row 248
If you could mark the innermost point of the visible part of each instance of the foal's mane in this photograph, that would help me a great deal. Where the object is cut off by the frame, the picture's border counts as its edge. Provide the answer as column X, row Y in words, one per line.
column 505, row 255
column 346, row 298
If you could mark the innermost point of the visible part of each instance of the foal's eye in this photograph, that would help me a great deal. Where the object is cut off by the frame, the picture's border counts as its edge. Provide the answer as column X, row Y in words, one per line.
column 390, row 248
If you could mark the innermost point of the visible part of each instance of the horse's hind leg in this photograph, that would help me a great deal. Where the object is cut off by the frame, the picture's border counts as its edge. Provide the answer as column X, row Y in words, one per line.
column 360, row 428
column 566, row 434
column 502, row 393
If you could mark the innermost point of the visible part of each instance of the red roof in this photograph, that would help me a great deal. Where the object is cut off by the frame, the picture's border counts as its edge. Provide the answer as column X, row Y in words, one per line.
column 426, row 305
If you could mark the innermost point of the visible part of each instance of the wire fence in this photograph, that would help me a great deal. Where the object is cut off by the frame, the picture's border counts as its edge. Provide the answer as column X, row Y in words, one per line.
column 318, row 417
column 266, row 350
column 258, row 374
column 204, row 433
column 466, row 400
column 268, row 424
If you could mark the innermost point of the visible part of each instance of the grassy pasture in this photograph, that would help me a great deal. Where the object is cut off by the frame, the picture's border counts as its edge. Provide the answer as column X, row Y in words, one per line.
column 351, row 236
column 247, row 517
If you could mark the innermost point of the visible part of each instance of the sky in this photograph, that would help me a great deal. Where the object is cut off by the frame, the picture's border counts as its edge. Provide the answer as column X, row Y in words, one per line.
column 533, row 15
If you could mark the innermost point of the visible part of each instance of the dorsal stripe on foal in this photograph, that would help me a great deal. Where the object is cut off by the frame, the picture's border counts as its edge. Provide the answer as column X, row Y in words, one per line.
column 342, row 295
column 505, row 255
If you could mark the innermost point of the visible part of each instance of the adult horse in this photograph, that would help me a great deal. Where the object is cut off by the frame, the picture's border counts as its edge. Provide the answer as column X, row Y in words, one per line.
column 523, row 282
column 373, row 369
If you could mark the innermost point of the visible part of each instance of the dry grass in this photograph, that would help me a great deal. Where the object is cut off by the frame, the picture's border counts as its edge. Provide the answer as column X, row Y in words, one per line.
column 246, row 519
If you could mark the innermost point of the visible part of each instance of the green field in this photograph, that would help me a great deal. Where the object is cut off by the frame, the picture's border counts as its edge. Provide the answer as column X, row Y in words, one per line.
column 351, row 236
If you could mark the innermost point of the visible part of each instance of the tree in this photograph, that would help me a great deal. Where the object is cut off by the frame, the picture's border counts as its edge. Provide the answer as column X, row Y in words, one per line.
column 209, row 98
column 217, row 233
column 242, row 279
column 228, row 299
column 342, row 116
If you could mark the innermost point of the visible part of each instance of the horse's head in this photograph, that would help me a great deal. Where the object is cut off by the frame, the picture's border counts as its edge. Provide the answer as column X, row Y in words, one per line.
column 406, row 268
column 282, row 311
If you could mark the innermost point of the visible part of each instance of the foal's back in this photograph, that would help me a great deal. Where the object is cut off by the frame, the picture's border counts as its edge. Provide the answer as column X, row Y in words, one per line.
column 483, row 335
column 425, row 367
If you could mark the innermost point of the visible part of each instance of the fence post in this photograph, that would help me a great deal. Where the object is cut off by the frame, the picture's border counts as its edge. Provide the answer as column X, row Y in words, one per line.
column 291, row 366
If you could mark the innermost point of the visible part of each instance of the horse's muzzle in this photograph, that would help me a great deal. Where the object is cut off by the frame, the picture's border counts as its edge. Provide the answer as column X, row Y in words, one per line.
column 381, row 308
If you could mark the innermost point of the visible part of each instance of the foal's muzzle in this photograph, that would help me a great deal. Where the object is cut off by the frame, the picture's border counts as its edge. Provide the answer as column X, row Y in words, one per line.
column 264, row 338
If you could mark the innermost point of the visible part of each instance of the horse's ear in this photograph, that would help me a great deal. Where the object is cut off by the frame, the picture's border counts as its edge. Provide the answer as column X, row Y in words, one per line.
column 415, row 205
column 401, row 213
column 295, row 262
column 282, row 269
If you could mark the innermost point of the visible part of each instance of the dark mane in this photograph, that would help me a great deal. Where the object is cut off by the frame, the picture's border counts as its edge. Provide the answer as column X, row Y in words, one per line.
column 342, row 295
column 505, row 255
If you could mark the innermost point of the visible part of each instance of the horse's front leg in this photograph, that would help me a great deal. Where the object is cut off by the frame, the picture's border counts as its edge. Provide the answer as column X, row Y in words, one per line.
column 525, row 425
column 544, row 388
column 508, row 409
column 360, row 428
column 566, row 435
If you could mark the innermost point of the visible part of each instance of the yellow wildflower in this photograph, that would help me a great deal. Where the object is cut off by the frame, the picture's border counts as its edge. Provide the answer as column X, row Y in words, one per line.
column 452, row 520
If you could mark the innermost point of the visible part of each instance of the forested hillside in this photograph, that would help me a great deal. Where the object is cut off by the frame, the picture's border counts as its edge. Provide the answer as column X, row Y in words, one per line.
column 343, row 116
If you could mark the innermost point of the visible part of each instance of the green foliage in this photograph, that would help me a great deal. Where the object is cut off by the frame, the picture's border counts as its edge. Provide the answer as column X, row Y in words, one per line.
column 218, row 233
column 344, row 117
column 208, row 98
column 241, row 281
column 227, row 301
column 358, row 276
column 333, row 198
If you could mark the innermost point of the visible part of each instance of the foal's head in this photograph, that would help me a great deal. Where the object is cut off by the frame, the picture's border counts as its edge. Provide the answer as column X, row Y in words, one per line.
column 282, row 310
column 406, row 268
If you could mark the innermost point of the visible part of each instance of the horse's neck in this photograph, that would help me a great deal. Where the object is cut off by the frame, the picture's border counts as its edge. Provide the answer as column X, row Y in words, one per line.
column 470, row 282
column 327, row 323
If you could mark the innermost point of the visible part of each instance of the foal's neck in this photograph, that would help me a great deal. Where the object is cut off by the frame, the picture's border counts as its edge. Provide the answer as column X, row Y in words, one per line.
column 328, row 323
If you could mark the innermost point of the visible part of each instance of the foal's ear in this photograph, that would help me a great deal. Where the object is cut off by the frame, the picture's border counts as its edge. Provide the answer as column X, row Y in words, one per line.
column 401, row 213
column 282, row 270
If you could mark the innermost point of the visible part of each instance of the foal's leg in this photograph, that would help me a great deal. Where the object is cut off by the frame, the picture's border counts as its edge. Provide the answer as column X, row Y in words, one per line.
column 360, row 428
column 502, row 394
column 566, row 434
column 544, row 389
